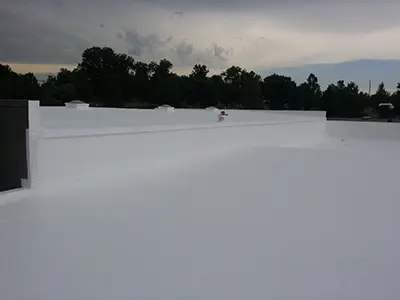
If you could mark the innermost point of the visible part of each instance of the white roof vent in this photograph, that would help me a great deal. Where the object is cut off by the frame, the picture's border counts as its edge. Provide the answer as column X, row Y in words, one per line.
column 77, row 104
column 166, row 107
column 212, row 108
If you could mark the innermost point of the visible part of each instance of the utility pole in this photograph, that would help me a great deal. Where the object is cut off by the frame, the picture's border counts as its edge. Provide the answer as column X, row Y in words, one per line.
column 369, row 88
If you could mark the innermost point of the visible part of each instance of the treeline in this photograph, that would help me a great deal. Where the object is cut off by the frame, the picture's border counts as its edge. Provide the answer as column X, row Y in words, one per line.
column 106, row 78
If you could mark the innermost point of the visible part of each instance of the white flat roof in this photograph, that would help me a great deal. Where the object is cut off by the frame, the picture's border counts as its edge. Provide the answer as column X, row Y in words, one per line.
column 299, row 220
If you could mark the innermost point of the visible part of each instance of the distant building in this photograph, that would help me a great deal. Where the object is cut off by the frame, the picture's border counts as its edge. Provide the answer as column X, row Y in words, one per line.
column 77, row 104
column 370, row 112
column 388, row 105
column 386, row 110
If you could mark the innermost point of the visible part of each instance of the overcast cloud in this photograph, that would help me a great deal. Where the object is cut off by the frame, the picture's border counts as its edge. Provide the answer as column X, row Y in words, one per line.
column 252, row 34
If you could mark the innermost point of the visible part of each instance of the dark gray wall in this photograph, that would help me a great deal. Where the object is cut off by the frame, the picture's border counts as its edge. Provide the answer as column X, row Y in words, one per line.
column 13, row 153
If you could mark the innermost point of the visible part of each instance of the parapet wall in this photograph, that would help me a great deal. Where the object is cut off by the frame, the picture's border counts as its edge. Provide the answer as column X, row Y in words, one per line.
column 72, row 147
column 60, row 118
column 68, row 148
column 367, row 131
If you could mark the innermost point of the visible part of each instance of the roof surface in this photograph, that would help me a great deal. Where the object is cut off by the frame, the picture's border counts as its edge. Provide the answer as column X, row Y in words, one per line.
column 261, row 212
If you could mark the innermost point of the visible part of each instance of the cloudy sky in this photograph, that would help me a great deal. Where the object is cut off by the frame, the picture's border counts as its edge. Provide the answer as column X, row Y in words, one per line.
column 43, row 35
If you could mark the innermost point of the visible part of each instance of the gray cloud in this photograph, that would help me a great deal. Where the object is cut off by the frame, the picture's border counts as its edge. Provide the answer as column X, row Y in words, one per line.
column 188, row 55
column 181, row 52
column 357, row 16
column 179, row 13
column 138, row 44
column 135, row 51
column 57, row 31
column 207, row 5
column 219, row 52
column 326, row 15
column 184, row 51
column 26, row 41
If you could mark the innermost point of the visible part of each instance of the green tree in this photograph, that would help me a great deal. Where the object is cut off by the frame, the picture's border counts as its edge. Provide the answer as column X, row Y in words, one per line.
column 18, row 86
column 250, row 90
column 108, row 74
column 309, row 95
column 395, row 100
column 217, row 91
column 198, row 88
column 343, row 101
column 106, row 78
column 164, row 84
column 279, row 92
column 381, row 95
column 199, row 71
column 232, row 78
column 141, row 85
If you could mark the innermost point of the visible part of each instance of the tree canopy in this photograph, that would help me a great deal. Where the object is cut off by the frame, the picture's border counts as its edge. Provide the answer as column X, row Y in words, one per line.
column 106, row 78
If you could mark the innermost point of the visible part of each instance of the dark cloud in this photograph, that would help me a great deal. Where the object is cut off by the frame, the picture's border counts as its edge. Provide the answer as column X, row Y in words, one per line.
column 58, row 31
column 188, row 55
column 219, row 52
column 138, row 44
column 27, row 41
column 153, row 46
column 216, row 6
column 135, row 51
column 179, row 13
column 356, row 16
column 184, row 51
